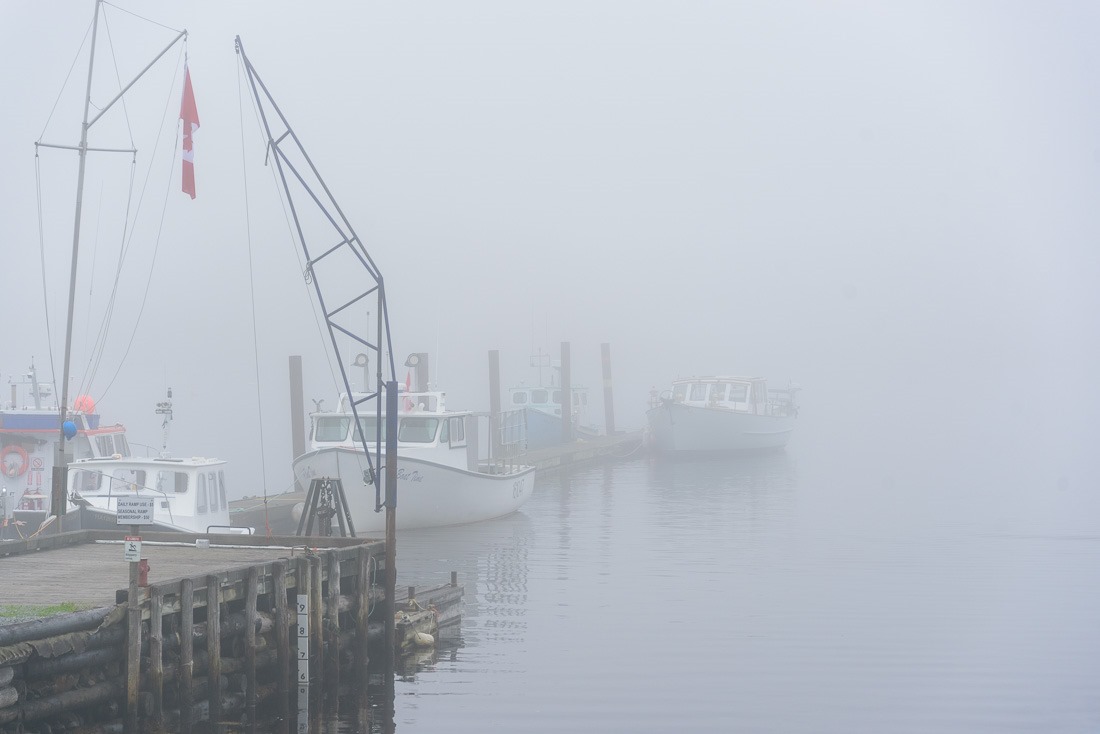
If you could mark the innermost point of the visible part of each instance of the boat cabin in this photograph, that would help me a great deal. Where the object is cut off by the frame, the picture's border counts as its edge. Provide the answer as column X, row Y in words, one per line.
column 547, row 399
column 190, row 494
column 740, row 394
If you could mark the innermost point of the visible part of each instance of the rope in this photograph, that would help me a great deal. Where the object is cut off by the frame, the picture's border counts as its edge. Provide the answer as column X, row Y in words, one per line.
column 65, row 83
column 252, row 297
column 142, row 17
column 118, row 78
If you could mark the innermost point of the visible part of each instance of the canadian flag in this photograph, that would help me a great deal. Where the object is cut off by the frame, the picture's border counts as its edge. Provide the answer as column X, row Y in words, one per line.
column 190, row 116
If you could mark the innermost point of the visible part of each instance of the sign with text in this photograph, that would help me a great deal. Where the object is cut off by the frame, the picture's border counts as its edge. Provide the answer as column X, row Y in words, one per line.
column 131, row 548
column 134, row 510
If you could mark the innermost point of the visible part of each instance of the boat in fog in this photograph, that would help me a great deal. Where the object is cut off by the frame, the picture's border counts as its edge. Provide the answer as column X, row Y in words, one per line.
column 721, row 414
column 443, row 476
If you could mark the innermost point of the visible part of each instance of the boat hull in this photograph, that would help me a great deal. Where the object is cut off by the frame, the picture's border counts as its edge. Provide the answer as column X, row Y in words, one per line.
column 677, row 428
column 545, row 430
column 428, row 494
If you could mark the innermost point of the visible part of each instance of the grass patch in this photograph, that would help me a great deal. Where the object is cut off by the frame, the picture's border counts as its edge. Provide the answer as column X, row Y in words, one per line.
column 39, row 610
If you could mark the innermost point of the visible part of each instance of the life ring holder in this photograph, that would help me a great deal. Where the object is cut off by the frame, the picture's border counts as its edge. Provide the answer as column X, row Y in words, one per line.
column 12, row 471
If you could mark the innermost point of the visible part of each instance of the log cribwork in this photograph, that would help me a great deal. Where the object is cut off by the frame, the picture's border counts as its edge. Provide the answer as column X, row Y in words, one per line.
column 72, row 670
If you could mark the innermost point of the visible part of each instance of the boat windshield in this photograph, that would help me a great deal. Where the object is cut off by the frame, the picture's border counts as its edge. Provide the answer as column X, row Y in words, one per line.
column 679, row 392
column 370, row 429
column 331, row 428
column 417, row 430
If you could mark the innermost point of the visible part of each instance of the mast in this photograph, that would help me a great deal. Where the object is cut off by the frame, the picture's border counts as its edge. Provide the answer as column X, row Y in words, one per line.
column 61, row 463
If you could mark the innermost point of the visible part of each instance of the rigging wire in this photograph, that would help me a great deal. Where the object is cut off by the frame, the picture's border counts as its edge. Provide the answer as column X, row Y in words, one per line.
column 252, row 297
column 65, row 83
column 142, row 17
column 118, row 78
column 133, row 225
column 42, row 254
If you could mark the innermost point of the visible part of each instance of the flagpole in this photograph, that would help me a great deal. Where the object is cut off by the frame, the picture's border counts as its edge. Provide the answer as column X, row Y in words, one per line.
column 61, row 463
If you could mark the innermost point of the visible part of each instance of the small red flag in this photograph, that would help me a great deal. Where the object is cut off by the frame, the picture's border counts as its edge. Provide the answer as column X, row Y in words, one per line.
column 190, row 116
column 408, row 389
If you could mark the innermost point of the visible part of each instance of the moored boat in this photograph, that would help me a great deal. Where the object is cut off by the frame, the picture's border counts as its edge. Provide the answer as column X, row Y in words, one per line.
column 721, row 414
column 442, row 477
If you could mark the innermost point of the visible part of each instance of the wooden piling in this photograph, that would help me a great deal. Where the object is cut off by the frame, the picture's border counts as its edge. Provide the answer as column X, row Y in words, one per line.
column 608, row 400
column 133, row 651
column 251, row 596
column 494, row 403
column 213, row 646
column 332, row 626
column 566, row 396
column 316, row 623
column 156, row 655
column 187, row 653
column 282, row 642
column 362, row 616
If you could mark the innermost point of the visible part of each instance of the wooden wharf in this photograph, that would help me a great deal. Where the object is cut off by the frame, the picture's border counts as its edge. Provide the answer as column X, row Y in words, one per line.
column 292, row 614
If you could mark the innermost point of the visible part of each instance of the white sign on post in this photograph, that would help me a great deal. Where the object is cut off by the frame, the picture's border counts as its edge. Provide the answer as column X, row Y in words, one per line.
column 134, row 510
column 132, row 548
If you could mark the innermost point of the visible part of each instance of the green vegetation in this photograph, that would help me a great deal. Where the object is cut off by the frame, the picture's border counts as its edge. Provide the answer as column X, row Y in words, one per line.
column 30, row 611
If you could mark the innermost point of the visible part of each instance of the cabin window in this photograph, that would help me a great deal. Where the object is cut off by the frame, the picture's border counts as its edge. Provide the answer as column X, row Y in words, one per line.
column 105, row 445
column 445, row 433
column 417, row 430
column 172, row 481
column 121, row 445
column 369, row 425
column 331, row 428
column 458, row 430
column 539, row 396
column 217, row 490
column 127, row 480
column 557, row 397
column 699, row 391
column 86, row 481
column 739, row 393
column 200, row 500
column 519, row 398
column 576, row 398
column 718, row 392
column 679, row 392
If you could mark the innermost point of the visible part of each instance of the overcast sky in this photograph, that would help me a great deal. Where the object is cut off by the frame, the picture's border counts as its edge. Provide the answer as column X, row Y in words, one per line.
column 892, row 204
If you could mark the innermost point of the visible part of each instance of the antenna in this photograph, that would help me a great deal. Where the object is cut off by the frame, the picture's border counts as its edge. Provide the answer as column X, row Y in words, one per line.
column 164, row 407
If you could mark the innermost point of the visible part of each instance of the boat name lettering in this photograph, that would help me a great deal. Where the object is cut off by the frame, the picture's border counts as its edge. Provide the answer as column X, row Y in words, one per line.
column 409, row 476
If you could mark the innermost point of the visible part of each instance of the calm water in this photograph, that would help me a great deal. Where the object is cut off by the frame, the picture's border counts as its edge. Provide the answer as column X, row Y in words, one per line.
column 787, row 593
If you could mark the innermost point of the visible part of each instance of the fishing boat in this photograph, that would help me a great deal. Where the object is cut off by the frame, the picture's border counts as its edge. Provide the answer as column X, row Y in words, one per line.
column 188, row 494
column 443, row 477
column 721, row 414
column 542, row 405
column 29, row 435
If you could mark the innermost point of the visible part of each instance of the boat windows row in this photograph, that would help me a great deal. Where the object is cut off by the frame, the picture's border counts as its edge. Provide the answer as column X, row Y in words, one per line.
column 413, row 429
column 209, row 485
column 540, row 396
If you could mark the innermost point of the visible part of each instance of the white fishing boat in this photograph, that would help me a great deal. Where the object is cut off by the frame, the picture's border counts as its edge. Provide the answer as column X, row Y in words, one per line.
column 721, row 414
column 442, row 477
column 188, row 495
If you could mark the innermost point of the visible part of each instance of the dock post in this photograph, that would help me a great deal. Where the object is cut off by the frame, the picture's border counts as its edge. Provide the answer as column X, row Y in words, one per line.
column 333, row 619
column 608, row 401
column 133, row 651
column 316, row 625
column 494, row 403
column 391, row 536
column 156, row 655
column 362, row 619
column 566, row 396
column 214, row 649
column 282, row 642
column 250, row 614
column 297, row 408
column 187, row 653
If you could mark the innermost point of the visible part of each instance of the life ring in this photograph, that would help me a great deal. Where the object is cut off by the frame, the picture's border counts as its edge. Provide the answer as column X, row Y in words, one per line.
column 11, row 469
